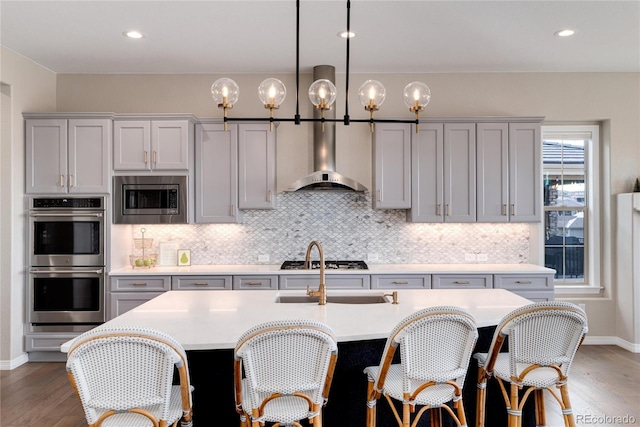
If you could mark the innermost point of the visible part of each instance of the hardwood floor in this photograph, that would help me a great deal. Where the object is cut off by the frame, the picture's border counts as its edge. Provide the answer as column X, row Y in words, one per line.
column 603, row 383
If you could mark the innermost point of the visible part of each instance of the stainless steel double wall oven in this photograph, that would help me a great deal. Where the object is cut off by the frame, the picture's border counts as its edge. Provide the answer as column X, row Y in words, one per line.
column 67, row 245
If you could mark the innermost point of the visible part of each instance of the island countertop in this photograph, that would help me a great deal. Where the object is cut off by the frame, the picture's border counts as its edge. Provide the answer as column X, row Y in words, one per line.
column 260, row 269
column 209, row 320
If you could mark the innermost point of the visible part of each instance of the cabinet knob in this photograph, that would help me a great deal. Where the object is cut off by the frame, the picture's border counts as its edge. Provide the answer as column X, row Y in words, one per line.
column 439, row 209
column 200, row 284
column 139, row 284
column 61, row 180
column 379, row 195
column 254, row 283
column 146, row 154
column 448, row 209
column 269, row 196
column 513, row 209
column 70, row 180
column 461, row 282
column 523, row 282
column 155, row 157
column 504, row 209
column 400, row 282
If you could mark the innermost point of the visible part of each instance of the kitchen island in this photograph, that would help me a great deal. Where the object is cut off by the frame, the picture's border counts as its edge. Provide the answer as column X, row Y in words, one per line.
column 209, row 323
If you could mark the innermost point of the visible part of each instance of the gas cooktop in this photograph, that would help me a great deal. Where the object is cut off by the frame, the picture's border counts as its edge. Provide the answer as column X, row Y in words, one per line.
column 329, row 265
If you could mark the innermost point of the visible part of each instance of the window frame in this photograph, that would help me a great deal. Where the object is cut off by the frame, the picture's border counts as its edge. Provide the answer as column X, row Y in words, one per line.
column 592, row 172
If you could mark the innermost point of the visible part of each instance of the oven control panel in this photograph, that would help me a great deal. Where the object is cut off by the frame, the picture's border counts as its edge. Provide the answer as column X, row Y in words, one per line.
column 67, row 202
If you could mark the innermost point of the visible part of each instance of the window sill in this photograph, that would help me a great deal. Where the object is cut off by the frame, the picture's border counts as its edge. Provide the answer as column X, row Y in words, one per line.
column 578, row 290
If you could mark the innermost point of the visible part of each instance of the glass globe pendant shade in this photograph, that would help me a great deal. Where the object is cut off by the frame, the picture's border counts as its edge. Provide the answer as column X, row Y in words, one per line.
column 416, row 96
column 225, row 92
column 322, row 94
column 272, row 92
column 372, row 94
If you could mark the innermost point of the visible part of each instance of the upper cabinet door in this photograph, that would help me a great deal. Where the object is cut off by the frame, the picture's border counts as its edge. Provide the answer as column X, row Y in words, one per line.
column 131, row 145
column 216, row 174
column 525, row 177
column 256, row 167
column 459, row 172
column 170, row 144
column 392, row 166
column 427, row 160
column 89, row 145
column 492, row 160
column 46, row 156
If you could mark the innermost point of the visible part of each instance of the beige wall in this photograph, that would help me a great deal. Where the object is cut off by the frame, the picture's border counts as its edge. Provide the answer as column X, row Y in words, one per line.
column 29, row 87
column 610, row 98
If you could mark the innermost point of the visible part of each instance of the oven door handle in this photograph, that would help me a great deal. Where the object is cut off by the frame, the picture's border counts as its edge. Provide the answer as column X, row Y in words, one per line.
column 97, row 271
column 92, row 215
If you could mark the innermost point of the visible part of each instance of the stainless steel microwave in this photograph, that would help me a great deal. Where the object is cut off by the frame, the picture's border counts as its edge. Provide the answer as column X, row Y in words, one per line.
column 150, row 199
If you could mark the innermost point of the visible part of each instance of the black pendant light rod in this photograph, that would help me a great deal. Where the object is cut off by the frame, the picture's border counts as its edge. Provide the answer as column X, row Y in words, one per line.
column 297, row 116
column 346, row 90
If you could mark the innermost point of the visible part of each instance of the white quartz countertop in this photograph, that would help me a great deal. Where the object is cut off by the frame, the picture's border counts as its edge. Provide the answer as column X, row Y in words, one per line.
column 261, row 269
column 205, row 320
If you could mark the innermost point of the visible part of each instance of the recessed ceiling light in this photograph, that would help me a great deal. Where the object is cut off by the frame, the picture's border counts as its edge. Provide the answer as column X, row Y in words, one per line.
column 564, row 33
column 347, row 35
column 133, row 34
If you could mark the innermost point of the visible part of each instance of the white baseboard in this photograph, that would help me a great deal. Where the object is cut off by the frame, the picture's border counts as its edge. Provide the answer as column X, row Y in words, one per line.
column 7, row 365
column 609, row 340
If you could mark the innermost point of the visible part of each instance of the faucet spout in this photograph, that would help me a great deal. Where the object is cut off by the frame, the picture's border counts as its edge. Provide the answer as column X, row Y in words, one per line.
column 322, row 289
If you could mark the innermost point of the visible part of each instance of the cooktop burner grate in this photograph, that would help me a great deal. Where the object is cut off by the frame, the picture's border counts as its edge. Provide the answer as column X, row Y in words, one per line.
column 329, row 265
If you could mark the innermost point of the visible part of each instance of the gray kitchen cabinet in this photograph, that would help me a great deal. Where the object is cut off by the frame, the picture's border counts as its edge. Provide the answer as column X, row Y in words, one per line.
column 461, row 281
column 151, row 145
column 537, row 287
column 444, row 173
column 255, row 282
column 256, row 166
column 235, row 170
column 67, row 155
column 128, row 292
column 391, row 167
column 399, row 282
column 333, row 281
column 201, row 283
column 508, row 166
column 216, row 185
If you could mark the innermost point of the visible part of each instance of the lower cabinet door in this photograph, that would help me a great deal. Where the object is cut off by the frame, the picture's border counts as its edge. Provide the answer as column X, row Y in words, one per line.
column 121, row 302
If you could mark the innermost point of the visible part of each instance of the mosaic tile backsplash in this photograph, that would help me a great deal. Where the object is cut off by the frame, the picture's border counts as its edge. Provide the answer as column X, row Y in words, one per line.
column 348, row 228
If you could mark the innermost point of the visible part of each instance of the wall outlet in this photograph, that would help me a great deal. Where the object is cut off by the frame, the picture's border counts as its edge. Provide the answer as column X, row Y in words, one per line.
column 372, row 257
column 469, row 257
column 482, row 257
column 263, row 258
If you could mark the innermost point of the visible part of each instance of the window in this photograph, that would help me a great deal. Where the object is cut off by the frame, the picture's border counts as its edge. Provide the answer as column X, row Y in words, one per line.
column 570, row 183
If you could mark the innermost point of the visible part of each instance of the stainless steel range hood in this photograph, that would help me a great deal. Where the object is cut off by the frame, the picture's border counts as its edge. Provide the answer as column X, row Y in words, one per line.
column 325, row 176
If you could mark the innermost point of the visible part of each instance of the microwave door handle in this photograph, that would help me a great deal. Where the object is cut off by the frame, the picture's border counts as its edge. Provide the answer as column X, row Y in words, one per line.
column 97, row 271
column 91, row 215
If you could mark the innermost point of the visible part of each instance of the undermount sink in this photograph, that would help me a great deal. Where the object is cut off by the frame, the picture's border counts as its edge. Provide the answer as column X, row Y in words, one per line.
column 335, row 299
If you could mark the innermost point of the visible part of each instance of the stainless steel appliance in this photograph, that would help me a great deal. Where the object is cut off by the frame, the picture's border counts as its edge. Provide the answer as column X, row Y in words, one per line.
column 66, row 295
column 67, row 231
column 150, row 199
column 328, row 264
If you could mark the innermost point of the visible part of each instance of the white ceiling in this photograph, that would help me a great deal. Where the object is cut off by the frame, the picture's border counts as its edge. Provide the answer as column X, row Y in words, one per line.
column 259, row 36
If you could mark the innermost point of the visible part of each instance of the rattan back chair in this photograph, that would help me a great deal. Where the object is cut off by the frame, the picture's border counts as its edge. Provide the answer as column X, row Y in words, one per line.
column 543, row 340
column 123, row 376
column 435, row 348
column 283, row 371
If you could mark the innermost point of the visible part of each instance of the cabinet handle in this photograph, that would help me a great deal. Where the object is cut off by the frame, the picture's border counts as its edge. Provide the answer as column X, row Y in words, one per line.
column 513, row 210
column 439, row 209
column 448, row 209
column 523, row 282
column 233, row 210
column 61, row 180
column 504, row 210
column 400, row 282
column 70, row 180
column 146, row 154
column 269, row 196
column 379, row 195
column 155, row 157
column 254, row 283
column 139, row 284
column 461, row 282
column 200, row 284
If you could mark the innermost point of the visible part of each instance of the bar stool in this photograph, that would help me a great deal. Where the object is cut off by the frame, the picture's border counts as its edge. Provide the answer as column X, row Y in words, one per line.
column 435, row 349
column 288, row 367
column 123, row 376
column 543, row 340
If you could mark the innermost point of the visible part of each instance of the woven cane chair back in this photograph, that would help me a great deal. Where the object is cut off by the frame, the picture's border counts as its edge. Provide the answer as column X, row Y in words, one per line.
column 285, row 357
column 117, row 369
column 544, row 333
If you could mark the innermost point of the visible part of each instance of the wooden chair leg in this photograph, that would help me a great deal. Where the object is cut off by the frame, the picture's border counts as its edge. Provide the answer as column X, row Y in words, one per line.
column 435, row 416
column 461, row 415
column 541, row 418
column 513, row 417
column 371, row 409
column 481, row 395
column 567, row 411
column 406, row 414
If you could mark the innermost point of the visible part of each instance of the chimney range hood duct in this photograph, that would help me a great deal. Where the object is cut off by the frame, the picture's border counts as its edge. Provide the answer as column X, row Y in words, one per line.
column 325, row 176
